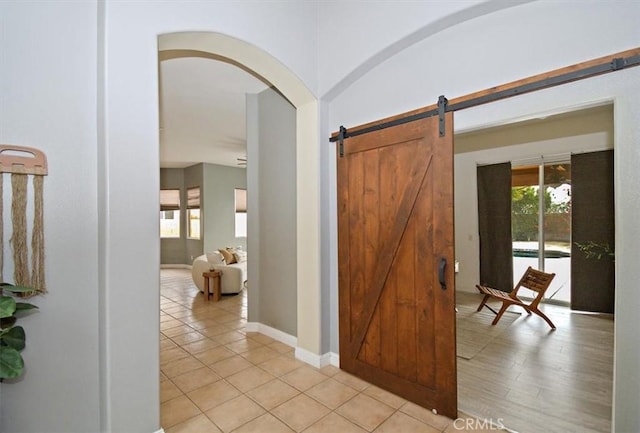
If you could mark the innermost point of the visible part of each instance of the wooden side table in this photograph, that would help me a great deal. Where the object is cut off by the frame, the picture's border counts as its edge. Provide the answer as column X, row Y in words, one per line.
column 215, row 276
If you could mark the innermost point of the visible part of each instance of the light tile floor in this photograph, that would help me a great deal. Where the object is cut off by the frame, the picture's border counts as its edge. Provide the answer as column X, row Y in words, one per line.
column 215, row 377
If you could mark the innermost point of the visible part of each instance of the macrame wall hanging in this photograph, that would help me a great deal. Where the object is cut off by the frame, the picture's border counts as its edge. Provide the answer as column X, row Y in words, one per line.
column 23, row 162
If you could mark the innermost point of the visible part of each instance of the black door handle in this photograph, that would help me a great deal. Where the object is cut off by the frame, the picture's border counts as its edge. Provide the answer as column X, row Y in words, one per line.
column 441, row 268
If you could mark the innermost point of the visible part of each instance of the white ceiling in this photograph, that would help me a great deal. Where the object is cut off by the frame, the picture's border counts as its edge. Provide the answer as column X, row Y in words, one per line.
column 202, row 111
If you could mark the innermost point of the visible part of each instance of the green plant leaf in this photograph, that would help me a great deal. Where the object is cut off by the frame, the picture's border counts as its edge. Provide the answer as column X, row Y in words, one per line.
column 8, row 322
column 16, row 289
column 11, row 363
column 7, row 306
column 14, row 337
column 24, row 306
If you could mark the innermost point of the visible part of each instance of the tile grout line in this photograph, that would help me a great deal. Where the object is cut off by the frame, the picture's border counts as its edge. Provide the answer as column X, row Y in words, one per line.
column 238, row 309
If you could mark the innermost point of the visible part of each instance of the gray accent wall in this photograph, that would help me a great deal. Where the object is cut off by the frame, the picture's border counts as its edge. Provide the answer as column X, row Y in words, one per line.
column 253, row 218
column 172, row 250
column 217, row 206
column 193, row 177
column 271, row 136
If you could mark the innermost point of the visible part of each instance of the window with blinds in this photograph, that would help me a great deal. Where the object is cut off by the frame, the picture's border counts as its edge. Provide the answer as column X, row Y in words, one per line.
column 170, row 213
column 241, row 212
column 193, row 213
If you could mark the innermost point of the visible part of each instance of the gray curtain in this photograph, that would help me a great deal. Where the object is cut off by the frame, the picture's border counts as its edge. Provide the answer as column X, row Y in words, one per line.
column 592, row 225
column 494, row 223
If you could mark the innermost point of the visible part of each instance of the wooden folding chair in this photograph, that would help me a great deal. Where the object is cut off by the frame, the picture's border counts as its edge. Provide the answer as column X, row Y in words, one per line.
column 532, row 279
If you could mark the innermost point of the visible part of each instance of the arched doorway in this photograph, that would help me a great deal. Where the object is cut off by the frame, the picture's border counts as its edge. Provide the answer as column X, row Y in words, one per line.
column 258, row 62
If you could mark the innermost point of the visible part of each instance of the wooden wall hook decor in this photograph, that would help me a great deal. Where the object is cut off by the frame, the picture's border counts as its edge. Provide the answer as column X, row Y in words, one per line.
column 22, row 159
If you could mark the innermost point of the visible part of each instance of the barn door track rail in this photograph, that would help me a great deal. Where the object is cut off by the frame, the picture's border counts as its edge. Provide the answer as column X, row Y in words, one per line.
column 568, row 74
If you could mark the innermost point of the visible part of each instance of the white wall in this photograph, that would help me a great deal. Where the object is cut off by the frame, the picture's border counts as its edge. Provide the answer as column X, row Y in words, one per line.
column 79, row 80
column 513, row 44
column 131, row 34
column 357, row 36
column 487, row 51
column 48, row 70
column 66, row 64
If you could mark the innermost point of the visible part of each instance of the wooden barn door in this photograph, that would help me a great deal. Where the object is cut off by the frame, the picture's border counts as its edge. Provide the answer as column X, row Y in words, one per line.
column 395, row 247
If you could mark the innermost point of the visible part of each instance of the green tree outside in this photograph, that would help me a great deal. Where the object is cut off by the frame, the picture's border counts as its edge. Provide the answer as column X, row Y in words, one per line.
column 524, row 211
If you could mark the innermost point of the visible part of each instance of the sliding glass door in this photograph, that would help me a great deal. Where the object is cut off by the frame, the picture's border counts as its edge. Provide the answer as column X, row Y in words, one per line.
column 541, row 224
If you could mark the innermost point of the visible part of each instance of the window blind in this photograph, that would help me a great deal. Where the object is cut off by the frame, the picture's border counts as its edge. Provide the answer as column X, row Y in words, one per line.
column 169, row 199
column 241, row 200
column 193, row 198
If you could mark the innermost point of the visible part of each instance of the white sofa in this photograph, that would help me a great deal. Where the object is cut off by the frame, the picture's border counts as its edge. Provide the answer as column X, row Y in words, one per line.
column 233, row 277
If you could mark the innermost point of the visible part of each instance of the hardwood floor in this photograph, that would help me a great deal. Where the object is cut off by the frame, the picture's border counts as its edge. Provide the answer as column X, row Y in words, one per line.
column 534, row 379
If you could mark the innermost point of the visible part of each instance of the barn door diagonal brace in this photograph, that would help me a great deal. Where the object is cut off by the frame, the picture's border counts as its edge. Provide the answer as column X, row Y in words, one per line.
column 442, row 108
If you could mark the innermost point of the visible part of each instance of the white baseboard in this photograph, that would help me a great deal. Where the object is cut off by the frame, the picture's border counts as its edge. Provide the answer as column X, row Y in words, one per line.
column 310, row 358
column 274, row 333
column 334, row 359
column 316, row 360
column 175, row 266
